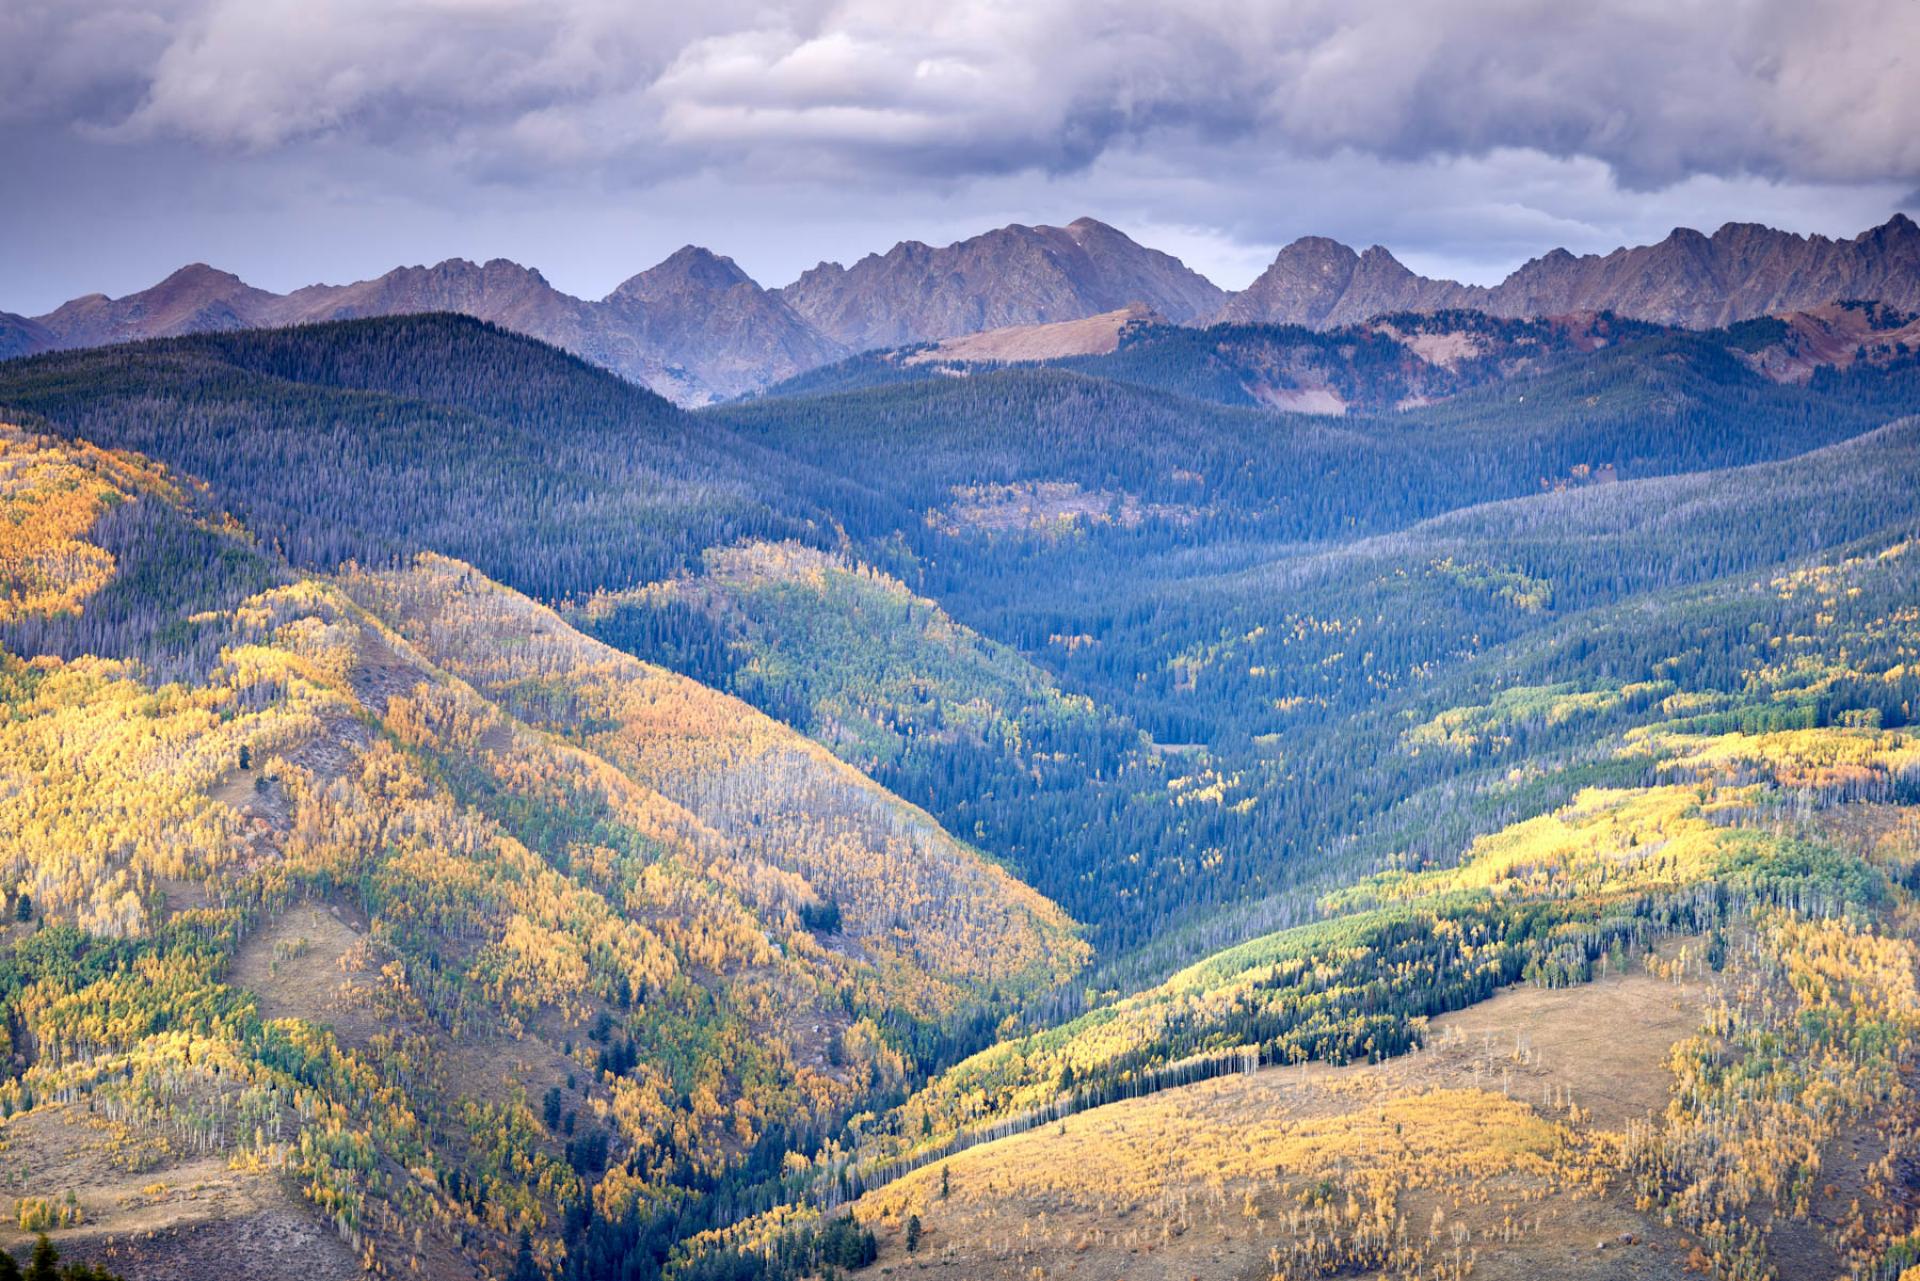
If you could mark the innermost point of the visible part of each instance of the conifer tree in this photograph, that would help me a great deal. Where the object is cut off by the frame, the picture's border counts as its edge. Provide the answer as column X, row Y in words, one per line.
column 525, row 1268
column 44, row 1266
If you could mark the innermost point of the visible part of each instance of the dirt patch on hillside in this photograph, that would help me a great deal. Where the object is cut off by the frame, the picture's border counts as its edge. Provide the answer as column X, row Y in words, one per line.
column 271, row 1245
column 1603, row 1044
column 1091, row 336
column 152, row 1213
column 306, row 963
column 1302, row 400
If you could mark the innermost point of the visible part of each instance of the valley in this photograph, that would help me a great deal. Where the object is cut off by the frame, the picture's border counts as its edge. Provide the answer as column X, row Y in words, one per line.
column 1019, row 803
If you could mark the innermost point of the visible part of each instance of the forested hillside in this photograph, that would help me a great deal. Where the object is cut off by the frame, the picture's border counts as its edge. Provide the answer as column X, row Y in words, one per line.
column 461, row 815
column 1073, row 797
column 370, row 440
column 569, row 948
column 1754, row 844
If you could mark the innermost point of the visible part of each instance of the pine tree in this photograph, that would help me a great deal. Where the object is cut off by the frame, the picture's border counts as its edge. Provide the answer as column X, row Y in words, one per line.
column 45, row 1263
column 913, row 1234
column 9, row 1270
column 525, row 1268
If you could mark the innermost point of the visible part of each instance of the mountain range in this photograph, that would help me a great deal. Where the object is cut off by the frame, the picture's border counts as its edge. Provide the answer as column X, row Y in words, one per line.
column 1741, row 271
column 698, row 329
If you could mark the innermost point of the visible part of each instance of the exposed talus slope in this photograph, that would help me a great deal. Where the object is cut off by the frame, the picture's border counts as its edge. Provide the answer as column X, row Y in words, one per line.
column 1014, row 275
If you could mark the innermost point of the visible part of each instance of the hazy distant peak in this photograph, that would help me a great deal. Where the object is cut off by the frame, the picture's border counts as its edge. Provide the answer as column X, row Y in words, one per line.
column 1014, row 275
column 1743, row 270
column 198, row 275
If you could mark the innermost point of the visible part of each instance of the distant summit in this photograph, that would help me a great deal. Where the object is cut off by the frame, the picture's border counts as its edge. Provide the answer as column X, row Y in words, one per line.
column 1015, row 275
column 694, row 328
column 1741, row 271
column 698, row 329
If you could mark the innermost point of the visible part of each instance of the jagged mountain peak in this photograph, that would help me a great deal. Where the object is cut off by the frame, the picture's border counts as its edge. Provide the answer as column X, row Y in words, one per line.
column 1687, row 278
column 669, row 327
column 1017, row 274
column 1898, row 229
column 690, row 266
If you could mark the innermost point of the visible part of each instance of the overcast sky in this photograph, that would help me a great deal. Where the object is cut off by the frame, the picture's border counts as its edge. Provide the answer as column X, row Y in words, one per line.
column 300, row 140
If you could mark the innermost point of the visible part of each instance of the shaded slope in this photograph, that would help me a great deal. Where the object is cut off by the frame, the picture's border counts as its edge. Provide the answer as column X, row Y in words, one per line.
column 1071, row 797
column 370, row 440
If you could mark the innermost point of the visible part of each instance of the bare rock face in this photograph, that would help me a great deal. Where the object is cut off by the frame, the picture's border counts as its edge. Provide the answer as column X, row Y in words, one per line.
column 1741, row 271
column 1015, row 275
column 1322, row 284
column 1303, row 286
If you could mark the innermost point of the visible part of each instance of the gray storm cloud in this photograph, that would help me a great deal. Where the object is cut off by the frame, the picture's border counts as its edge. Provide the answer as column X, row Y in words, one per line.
column 294, row 140
column 1658, row 91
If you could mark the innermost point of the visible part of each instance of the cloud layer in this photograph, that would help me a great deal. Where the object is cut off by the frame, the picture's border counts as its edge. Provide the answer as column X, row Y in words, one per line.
column 328, row 136
column 1658, row 90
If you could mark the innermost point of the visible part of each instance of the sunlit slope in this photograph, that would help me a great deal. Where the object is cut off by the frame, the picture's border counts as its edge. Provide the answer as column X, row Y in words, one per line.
column 106, row 552
column 447, row 961
column 901, row 887
column 49, row 502
column 1073, row 798
column 1765, row 843
column 1496, row 1144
